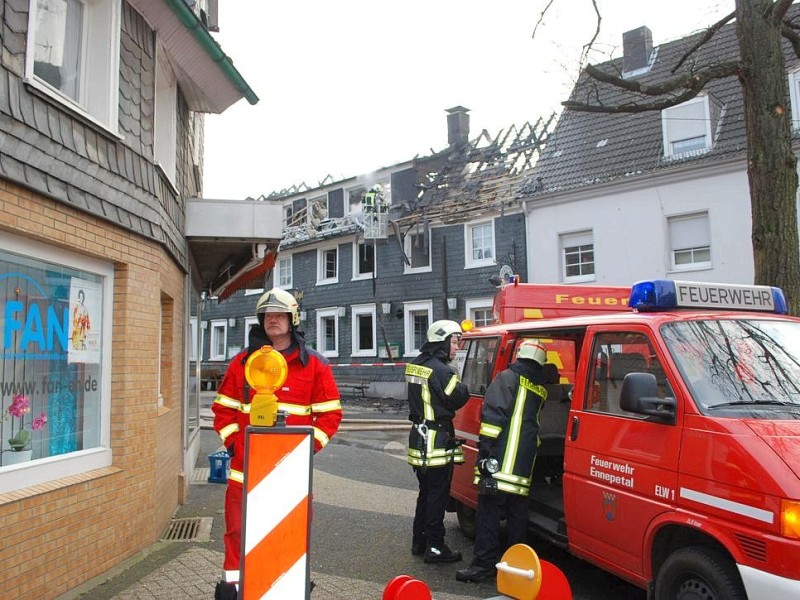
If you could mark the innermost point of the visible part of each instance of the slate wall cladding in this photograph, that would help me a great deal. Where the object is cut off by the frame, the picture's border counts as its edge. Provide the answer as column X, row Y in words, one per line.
column 55, row 152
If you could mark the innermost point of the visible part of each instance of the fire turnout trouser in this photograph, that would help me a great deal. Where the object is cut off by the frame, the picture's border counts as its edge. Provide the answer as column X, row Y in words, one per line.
column 233, row 531
column 434, row 492
column 487, row 549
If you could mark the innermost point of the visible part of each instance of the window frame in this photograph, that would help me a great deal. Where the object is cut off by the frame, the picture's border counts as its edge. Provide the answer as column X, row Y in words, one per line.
column 321, row 263
column 248, row 323
column 407, row 248
column 357, row 261
column 469, row 245
column 700, row 265
column 573, row 239
column 101, row 455
column 476, row 304
column 358, row 310
column 98, row 88
column 165, row 135
column 213, row 339
column 323, row 314
column 278, row 273
column 409, row 308
column 668, row 140
column 794, row 97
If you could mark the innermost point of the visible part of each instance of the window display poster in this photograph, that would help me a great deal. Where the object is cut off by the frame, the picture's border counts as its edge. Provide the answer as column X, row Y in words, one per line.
column 85, row 321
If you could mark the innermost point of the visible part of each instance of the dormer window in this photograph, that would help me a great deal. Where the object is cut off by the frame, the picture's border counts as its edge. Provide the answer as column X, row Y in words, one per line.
column 687, row 128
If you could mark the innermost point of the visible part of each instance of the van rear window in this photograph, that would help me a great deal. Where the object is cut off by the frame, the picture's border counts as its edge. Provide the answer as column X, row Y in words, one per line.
column 479, row 364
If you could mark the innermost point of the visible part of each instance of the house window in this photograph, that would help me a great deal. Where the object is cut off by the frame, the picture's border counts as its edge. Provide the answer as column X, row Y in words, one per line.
column 363, row 260
column 794, row 96
column 57, row 312
column 690, row 242
column 687, row 127
column 327, row 265
column 249, row 323
column 479, row 311
column 219, row 339
column 354, row 198
column 364, row 332
column 417, row 319
column 577, row 251
column 283, row 273
column 73, row 55
column 328, row 331
column 479, row 238
column 164, row 139
column 417, row 248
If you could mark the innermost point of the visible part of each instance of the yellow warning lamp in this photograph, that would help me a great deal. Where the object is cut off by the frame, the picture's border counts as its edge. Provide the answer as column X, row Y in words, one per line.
column 265, row 371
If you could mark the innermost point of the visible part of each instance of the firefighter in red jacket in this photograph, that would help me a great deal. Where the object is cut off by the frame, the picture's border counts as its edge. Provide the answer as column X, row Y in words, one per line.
column 309, row 396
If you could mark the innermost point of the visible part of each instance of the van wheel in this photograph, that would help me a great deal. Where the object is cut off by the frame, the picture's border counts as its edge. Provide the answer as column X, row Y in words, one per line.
column 466, row 520
column 698, row 573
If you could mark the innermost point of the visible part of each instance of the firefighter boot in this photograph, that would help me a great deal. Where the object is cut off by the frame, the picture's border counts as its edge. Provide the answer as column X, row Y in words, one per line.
column 418, row 545
column 476, row 573
column 441, row 555
column 225, row 590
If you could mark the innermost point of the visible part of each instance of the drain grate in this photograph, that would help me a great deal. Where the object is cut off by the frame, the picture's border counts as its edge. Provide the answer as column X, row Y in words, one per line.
column 195, row 529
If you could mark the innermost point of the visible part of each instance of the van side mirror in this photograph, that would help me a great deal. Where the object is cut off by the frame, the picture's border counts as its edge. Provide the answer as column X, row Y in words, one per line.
column 639, row 395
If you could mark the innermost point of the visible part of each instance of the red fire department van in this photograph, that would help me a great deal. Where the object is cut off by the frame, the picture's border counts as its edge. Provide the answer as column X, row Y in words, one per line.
column 670, row 451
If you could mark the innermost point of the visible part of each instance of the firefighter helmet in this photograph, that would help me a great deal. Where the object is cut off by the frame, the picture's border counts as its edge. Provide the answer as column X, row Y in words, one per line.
column 532, row 349
column 441, row 330
column 278, row 301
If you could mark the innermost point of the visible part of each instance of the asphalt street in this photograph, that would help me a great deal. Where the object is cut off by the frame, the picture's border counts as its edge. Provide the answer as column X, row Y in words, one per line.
column 363, row 503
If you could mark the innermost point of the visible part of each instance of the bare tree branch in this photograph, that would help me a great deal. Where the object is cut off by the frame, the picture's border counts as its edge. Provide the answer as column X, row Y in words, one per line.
column 779, row 10
column 587, row 47
column 693, row 80
column 709, row 33
column 631, row 107
column 793, row 37
column 541, row 17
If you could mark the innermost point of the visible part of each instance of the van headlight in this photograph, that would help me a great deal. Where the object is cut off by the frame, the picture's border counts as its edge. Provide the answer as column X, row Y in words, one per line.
column 790, row 519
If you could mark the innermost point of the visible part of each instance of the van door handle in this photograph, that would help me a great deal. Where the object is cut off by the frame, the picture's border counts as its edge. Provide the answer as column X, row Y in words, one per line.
column 573, row 434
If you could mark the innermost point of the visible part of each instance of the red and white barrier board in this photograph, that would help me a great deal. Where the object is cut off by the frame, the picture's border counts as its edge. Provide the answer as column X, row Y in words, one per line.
column 276, row 513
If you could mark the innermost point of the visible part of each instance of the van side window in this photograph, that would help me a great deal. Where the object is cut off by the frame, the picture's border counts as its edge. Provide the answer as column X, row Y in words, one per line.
column 479, row 364
column 614, row 356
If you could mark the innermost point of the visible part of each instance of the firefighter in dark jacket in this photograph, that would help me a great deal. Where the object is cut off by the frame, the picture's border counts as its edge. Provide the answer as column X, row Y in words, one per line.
column 435, row 393
column 508, row 440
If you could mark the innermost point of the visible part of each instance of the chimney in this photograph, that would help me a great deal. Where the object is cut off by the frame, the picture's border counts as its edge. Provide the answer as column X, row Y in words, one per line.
column 457, row 125
column 636, row 47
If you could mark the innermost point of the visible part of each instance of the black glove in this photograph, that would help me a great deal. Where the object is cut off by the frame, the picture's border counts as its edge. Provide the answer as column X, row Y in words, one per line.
column 485, row 449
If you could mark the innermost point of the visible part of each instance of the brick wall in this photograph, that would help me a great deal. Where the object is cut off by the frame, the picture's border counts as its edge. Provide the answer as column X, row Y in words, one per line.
column 60, row 534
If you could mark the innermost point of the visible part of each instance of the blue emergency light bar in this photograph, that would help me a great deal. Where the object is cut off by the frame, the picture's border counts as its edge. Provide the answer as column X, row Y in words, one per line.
column 653, row 295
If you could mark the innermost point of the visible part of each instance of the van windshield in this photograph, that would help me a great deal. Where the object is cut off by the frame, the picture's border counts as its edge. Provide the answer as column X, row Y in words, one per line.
column 739, row 368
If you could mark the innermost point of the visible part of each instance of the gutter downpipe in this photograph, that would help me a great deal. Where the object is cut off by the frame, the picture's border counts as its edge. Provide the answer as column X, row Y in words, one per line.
column 210, row 45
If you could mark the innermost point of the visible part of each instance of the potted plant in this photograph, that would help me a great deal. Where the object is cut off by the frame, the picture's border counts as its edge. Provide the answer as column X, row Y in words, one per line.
column 20, row 441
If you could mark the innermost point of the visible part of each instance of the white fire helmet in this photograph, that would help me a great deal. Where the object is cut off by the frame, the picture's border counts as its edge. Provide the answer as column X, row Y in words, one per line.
column 441, row 330
column 534, row 350
column 278, row 301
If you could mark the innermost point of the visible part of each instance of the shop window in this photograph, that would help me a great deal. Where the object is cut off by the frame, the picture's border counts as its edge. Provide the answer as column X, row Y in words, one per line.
column 55, row 387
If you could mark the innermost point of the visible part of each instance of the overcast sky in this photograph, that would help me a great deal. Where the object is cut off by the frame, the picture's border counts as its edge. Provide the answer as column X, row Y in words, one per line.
column 349, row 87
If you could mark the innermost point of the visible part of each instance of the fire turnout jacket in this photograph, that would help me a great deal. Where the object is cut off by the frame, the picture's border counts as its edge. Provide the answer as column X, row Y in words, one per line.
column 510, row 424
column 309, row 396
column 435, row 393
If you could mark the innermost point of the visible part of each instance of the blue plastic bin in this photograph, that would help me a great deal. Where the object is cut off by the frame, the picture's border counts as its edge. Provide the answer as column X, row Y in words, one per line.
column 219, row 466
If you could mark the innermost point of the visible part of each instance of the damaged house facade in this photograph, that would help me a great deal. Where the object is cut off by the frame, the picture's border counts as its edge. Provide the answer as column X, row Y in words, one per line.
column 374, row 260
column 616, row 198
